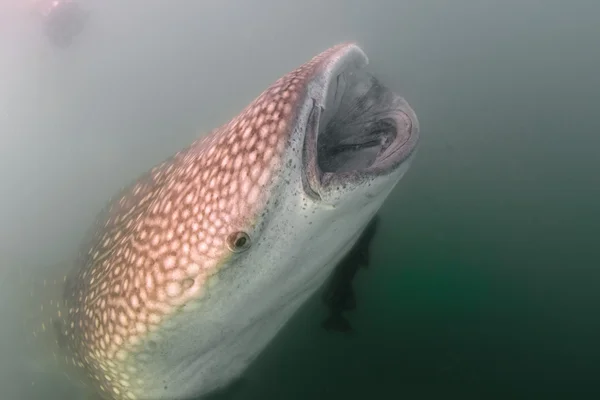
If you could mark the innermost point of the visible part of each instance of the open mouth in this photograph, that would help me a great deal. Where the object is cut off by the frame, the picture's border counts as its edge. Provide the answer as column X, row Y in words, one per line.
column 365, row 130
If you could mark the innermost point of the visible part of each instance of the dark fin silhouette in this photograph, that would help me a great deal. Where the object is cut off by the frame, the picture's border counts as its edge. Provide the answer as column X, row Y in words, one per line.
column 338, row 294
column 342, row 298
column 362, row 256
column 336, row 322
column 349, row 300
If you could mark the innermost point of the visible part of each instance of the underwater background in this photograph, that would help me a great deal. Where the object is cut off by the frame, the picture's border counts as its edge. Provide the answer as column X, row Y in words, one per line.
column 484, row 280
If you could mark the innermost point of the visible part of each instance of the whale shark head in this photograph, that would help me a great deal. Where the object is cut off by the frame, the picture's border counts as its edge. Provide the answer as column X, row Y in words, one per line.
column 191, row 270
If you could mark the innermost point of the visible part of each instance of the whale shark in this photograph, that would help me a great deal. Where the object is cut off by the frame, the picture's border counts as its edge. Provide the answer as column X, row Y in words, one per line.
column 193, row 268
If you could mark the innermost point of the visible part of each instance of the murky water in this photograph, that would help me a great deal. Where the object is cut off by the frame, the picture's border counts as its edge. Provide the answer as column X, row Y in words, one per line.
column 485, row 275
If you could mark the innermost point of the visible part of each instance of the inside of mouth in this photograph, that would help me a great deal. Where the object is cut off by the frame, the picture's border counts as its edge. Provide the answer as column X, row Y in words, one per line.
column 357, row 126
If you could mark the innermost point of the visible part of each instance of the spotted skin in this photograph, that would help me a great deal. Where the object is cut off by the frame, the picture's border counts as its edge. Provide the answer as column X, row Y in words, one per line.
column 152, row 252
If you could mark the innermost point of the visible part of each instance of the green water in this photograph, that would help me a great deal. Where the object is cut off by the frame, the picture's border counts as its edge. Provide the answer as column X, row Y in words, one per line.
column 485, row 275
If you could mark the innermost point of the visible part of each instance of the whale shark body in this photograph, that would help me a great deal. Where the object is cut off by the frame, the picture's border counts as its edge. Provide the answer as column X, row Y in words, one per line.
column 190, row 271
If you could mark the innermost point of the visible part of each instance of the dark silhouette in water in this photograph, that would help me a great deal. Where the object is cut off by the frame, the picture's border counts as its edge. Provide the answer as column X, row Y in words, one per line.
column 64, row 21
column 339, row 294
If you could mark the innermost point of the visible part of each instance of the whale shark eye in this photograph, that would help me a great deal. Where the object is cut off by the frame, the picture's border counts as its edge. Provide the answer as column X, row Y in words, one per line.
column 238, row 242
